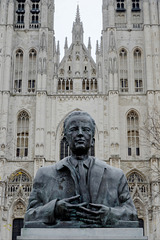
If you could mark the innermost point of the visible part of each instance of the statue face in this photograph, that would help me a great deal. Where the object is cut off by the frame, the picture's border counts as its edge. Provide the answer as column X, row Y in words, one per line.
column 79, row 134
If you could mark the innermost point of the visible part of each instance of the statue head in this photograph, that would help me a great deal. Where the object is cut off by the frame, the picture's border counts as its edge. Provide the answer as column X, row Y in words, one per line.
column 79, row 129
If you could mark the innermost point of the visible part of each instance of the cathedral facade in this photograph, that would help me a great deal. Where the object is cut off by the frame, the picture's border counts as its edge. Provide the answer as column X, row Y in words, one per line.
column 37, row 91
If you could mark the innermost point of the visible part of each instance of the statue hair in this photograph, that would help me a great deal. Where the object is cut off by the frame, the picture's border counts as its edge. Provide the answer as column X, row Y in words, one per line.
column 77, row 113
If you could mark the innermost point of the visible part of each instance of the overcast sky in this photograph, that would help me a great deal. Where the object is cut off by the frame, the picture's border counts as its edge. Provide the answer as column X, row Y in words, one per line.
column 91, row 16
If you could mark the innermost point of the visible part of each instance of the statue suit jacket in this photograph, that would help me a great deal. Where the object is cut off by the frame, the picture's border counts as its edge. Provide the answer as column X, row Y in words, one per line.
column 107, row 186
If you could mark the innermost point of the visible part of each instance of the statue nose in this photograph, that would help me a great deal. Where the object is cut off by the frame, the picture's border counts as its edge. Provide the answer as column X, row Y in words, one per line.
column 80, row 132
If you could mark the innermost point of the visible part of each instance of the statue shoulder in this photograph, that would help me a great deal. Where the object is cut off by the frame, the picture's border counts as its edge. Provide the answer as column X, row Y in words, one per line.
column 113, row 170
column 50, row 170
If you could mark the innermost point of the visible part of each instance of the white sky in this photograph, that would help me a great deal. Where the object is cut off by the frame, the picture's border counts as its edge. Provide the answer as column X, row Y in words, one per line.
column 91, row 16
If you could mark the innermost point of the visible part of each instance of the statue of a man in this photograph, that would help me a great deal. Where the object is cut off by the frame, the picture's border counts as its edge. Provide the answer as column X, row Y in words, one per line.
column 80, row 190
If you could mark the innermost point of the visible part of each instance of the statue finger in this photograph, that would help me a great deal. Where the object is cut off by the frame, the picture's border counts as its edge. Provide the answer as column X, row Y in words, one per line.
column 76, row 206
column 89, row 221
column 88, row 211
column 71, row 199
column 98, row 206
column 88, row 216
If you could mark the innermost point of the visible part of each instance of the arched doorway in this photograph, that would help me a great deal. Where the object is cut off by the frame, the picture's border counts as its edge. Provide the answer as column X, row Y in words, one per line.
column 16, row 229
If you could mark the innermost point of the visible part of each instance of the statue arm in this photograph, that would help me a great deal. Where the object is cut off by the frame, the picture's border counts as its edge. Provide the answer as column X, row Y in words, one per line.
column 39, row 208
column 126, row 210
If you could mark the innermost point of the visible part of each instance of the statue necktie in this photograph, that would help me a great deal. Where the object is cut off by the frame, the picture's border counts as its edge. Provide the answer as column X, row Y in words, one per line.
column 82, row 182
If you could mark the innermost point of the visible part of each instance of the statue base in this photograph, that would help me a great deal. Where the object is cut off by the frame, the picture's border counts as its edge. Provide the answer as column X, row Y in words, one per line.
column 82, row 234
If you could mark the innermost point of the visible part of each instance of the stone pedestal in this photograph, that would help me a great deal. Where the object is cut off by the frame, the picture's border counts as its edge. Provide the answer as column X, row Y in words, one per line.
column 82, row 234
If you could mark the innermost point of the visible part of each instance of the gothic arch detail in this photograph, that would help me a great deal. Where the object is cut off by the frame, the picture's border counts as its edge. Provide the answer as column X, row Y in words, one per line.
column 19, row 209
column 32, row 71
column 123, row 70
column 35, row 14
column 138, row 70
column 22, row 134
column 19, row 183
column 133, row 133
column 18, row 71
column 20, row 14
column 138, row 185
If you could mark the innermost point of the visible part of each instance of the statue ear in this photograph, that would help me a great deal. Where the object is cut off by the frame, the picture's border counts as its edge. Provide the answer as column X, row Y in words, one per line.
column 93, row 141
column 65, row 139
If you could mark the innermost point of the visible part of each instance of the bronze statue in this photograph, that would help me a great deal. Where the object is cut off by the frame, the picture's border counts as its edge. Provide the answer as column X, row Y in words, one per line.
column 80, row 190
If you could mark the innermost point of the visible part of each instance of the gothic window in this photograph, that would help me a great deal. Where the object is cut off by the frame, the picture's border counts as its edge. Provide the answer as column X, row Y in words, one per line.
column 18, row 71
column 138, row 82
column 22, row 134
column 32, row 73
column 69, row 69
column 20, row 13
column 136, row 180
column 133, row 134
column 89, row 85
column 35, row 14
column 17, row 180
column 85, row 70
column 16, row 229
column 135, row 5
column 64, row 149
column 123, row 71
column 65, row 85
column 120, row 5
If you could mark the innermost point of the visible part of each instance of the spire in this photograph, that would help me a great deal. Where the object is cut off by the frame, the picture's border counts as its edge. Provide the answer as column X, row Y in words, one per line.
column 66, row 46
column 101, row 46
column 89, row 45
column 58, row 48
column 78, row 20
column 77, row 30
column 66, row 43
column 97, row 48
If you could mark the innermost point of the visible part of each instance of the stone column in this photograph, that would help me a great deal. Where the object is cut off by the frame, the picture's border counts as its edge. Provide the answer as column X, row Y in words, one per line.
column 8, row 53
column 148, row 57
column 114, row 123
column 40, row 129
column 4, row 121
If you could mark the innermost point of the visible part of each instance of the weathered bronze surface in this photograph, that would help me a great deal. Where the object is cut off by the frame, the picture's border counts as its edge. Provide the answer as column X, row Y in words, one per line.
column 80, row 190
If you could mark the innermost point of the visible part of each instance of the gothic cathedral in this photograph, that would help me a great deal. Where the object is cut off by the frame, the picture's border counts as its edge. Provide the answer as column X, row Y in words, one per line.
column 120, row 90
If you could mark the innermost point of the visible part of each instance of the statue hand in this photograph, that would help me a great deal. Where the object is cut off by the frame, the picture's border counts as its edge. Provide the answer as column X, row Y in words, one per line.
column 66, row 208
column 95, row 214
column 103, row 212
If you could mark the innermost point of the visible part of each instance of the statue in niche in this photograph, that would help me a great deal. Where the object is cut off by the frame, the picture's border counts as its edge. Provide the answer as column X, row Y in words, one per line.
column 112, row 44
column 80, row 190
column 43, row 41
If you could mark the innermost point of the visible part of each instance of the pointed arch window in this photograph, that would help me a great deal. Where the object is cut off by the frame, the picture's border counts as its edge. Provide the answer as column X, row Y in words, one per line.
column 120, row 6
column 22, row 134
column 17, row 180
column 123, row 71
column 64, row 149
column 32, row 73
column 65, row 85
column 35, row 13
column 136, row 180
column 18, row 71
column 20, row 13
column 133, row 134
column 138, row 81
column 89, row 85
column 136, row 5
